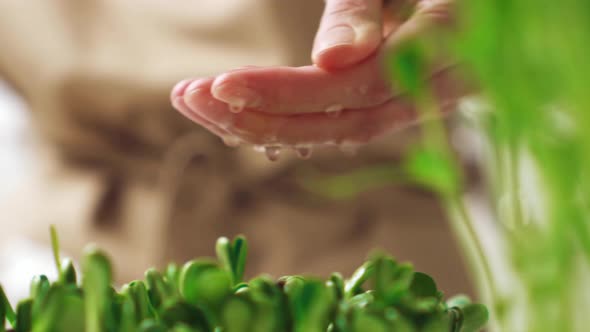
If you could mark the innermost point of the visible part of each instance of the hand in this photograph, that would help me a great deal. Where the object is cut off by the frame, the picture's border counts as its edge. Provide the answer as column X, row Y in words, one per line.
column 343, row 99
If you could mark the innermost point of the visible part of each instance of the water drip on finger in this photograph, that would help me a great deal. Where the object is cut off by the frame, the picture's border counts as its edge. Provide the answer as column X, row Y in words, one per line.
column 272, row 152
column 303, row 151
column 237, row 107
column 334, row 111
column 231, row 141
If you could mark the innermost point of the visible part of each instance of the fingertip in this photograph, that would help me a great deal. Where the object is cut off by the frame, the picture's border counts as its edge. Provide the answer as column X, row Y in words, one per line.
column 341, row 55
column 199, row 84
column 186, row 87
column 195, row 90
column 235, row 92
column 178, row 89
column 180, row 106
column 337, row 57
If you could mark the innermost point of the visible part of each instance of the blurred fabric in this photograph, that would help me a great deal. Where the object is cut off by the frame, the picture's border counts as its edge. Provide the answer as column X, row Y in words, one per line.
column 116, row 165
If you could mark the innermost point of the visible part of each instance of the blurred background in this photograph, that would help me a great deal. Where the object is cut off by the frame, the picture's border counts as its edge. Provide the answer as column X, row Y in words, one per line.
column 89, row 142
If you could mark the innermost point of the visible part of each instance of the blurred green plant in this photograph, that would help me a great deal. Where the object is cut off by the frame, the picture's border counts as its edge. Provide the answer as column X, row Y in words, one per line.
column 530, row 62
column 208, row 295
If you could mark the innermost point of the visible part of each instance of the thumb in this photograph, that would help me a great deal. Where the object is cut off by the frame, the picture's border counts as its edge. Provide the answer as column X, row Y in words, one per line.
column 429, row 16
column 350, row 31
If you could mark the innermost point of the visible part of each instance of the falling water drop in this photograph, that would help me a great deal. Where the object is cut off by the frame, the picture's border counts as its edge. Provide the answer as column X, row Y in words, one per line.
column 231, row 141
column 259, row 148
column 272, row 152
column 303, row 151
column 334, row 110
column 237, row 106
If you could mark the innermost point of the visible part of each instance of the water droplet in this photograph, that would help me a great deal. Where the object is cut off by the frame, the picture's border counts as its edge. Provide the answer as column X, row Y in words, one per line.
column 303, row 152
column 363, row 89
column 231, row 141
column 334, row 110
column 237, row 107
column 259, row 148
column 272, row 152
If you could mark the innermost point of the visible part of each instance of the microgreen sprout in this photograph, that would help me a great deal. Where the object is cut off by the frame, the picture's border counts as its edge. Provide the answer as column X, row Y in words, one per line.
column 208, row 295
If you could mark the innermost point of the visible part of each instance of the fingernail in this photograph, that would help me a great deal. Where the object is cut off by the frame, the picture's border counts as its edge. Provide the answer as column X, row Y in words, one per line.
column 338, row 36
column 193, row 87
column 191, row 91
column 237, row 97
column 179, row 88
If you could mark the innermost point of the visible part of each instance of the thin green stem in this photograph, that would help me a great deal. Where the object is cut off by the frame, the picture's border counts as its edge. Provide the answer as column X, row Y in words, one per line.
column 495, row 172
column 436, row 137
column 514, row 186
column 55, row 247
column 470, row 241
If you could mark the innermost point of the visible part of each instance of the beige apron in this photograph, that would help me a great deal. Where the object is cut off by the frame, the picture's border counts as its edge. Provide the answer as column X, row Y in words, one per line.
column 118, row 166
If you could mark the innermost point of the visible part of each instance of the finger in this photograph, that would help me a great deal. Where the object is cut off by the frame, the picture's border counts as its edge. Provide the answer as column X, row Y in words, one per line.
column 310, row 89
column 350, row 31
column 177, row 98
column 315, row 128
column 179, row 88
column 352, row 126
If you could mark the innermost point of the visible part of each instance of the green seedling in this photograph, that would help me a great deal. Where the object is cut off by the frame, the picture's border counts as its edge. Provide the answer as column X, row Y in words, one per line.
column 172, row 276
column 68, row 273
column 96, row 284
column 152, row 326
column 6, row 311
column 138, row 293
column 359, row 277
column 2, row 316
column 128, row 320
column 232, row 256
column 55, row 248
column 24, row 313
column 204, row 284
column 159, row 289
column 61, row 310
column 186, row 314
column 39, row 289
column 336, row 283
column 238, row 315
column 382, row 295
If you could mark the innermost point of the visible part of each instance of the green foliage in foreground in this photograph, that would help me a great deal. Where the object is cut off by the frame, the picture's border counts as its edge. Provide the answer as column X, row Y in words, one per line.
column 210, row 295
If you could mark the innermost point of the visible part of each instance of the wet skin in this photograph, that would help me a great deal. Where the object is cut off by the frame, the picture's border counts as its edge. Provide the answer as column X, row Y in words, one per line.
column 343, row 98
